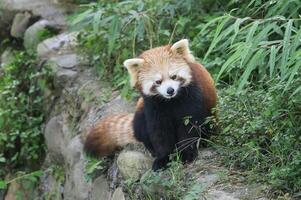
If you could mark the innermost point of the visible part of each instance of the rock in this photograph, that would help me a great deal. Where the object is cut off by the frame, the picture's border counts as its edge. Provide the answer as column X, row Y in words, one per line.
column 63, row 43
column 74, row 151
column 207, row 180
column 32, row 35
column 118, row 105
column 51, row 187
column 6, row 18
column 118, row 194
column 23, row 189
column 55, row 139
column 64, row 69
column 100, row 189
column 43, row 8
column 67, row 61
column 132, row 164
column 20, row 24
column 76, row 186
column 220, row 195
column 7, row 56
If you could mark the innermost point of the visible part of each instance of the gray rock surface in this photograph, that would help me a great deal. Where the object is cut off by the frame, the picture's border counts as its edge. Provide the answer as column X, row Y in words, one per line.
column 220, row 195
column 6, row 18
column 32, row 34
column 6, row 57
column 100, row 189
column 76, row 187
column 55, row 139
column 20, row 24
column 118, row 194
column 133, row 164
column 60, row 44
column 44, row 8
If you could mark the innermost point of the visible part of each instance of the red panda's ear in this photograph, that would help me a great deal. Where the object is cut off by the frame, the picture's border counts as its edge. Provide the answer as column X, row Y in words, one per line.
column 132, row 66
column 182, row 48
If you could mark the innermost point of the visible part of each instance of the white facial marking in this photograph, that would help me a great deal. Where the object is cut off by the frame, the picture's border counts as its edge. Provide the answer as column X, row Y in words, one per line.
column 162, row 89
column 185, row 74
column 146, row 87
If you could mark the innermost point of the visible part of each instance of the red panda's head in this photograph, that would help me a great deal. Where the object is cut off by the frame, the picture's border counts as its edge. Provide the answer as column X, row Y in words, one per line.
column 161, row 71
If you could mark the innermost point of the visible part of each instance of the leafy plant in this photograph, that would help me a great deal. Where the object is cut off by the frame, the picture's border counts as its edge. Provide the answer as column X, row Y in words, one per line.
column 92, row 166
column 260, row 133
column 257, row 48
column 32, row 177
column 171, row 183
column 21, row 113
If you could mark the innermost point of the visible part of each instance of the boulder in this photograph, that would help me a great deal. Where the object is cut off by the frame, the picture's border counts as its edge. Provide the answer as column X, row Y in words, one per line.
column 6, row 18
column 32, row 35
column 43, row 8
column 55, row 139
column 60, row 44
column 207, row 180
column 100, row 189
column 20, row 24
column 76, row 187
column 220, row 195
column 74, row 151
column 66, row 61
column 6, row 57
column 63, row 77
column 132, row 164
column 118, row 194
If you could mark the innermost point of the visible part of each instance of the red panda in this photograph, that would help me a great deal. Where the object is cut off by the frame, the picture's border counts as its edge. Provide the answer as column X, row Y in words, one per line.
column 173, row 87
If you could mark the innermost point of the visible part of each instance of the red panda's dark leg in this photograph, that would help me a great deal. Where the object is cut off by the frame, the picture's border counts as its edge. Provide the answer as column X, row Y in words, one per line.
column 140, row 131
column 187, row 143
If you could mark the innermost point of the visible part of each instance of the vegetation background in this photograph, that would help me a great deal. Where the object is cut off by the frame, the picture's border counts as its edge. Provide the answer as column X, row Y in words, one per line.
column 252, row 49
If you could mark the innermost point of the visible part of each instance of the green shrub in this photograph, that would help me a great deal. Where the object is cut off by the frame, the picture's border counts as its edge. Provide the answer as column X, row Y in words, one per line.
column 260, row 132
column 175, row 182
column 21, row 113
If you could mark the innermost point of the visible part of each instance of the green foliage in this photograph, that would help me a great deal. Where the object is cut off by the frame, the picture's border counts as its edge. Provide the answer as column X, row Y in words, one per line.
column 30, row 178
column 172, row 183
column 261, row 133
column 92, row 167
column 46, row 33
column 21, row 113
column 256, row 48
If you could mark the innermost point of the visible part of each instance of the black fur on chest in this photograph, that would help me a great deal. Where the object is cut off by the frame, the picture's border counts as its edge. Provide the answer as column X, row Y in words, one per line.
column 160, row 124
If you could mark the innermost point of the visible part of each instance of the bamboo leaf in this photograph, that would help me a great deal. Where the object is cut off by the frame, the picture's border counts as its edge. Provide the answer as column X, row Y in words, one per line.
column 272, row 60
column 252, row 31
column 252, row 64
column 298, row 90
column 96, row 21
column 293, row 73
column 235, row 57
column 216, row 38
column 113, row 33
column 237, row 24
column 286, row 49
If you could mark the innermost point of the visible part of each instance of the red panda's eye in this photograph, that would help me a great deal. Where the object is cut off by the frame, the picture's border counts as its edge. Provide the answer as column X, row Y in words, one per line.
column 173, row 77
column 158, row 82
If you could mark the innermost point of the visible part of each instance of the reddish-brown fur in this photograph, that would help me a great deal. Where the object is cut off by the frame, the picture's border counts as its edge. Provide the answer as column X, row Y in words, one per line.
column 109, row 134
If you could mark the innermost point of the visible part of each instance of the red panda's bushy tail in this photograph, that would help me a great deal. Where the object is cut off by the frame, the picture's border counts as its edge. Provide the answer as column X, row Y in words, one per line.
column 110, row 134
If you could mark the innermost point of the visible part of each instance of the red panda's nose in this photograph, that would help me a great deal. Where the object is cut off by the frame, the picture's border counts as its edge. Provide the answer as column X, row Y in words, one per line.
column 170, row 91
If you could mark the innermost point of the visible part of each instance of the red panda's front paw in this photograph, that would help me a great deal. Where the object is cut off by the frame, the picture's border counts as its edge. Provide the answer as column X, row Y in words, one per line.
column 160, row 163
